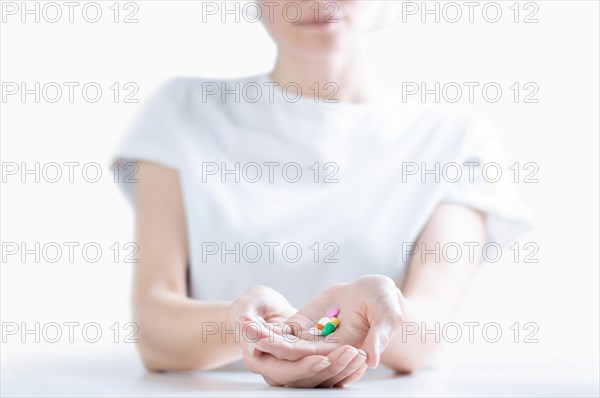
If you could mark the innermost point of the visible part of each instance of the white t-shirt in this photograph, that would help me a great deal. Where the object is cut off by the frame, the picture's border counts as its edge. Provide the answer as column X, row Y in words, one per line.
column 299, row 195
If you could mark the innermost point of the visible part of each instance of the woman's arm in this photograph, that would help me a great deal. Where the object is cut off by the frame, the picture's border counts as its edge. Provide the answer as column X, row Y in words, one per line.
column 434, row 287
column 172, row 327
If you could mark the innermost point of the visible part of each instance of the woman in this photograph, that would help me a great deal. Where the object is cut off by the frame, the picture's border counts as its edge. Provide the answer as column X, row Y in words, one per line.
column 218, row 210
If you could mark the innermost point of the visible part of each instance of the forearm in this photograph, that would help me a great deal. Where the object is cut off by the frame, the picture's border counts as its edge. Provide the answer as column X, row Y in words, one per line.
column 179, row 333
column 434, row 288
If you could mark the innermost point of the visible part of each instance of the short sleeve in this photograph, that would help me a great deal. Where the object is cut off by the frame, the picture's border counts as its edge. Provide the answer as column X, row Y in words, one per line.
column 150, row 138
column 486, row 184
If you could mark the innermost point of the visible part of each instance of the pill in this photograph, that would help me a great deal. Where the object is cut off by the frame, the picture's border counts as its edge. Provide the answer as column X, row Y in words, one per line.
column 333, row 312
column 323, row 321
column 335, row 321
column 328, row 329
column 314, row 331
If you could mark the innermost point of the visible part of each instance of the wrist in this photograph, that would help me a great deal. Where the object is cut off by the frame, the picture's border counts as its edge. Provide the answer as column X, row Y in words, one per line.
column 233, row 313
column 402, row 301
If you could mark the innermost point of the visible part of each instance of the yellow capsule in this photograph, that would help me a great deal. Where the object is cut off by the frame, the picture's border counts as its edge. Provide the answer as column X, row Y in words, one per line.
column 335, row 321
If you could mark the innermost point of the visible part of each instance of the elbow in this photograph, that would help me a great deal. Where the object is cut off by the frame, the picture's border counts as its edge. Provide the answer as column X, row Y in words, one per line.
column 152, row 360
column 405, row 368
column 152, row 366
column 408, row 365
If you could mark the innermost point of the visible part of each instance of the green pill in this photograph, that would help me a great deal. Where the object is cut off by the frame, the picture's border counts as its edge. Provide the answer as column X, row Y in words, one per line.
column 328, row 329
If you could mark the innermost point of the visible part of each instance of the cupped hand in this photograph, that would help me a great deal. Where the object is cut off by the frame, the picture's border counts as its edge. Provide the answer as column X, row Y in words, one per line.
column 370, row 315
column 260, row 315
column 259, row 312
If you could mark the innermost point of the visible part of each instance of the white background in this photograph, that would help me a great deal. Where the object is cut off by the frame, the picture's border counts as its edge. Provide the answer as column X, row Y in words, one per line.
column 560, row 134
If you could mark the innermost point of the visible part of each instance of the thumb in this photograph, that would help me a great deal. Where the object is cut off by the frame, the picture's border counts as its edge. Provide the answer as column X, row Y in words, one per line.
column 376, row 342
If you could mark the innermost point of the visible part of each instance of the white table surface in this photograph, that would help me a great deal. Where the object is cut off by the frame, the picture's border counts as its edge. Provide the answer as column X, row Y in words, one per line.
column 121, row 374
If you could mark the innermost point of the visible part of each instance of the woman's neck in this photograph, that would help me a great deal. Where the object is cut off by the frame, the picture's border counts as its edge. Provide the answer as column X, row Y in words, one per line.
column 342, row 77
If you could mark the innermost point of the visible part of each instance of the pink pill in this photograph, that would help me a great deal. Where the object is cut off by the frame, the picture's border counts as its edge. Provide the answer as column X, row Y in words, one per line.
column 333, row 311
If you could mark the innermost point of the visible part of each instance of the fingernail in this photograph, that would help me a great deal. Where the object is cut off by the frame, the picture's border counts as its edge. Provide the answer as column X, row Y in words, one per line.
column 362, row 353
column 348, row 356
column 321, row 365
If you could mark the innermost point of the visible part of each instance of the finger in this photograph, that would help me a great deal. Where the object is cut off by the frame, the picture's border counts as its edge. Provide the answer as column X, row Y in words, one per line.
column 251, row 332
column 340, row 358
column 283, row 372
column 353, row 377
column 250, row 313
column 376, row 341
column 351, row 368
column 282, row 348
column 298, row 324
column 277, row 328
column 250, row 318
column 383, row 324
column 292, row 348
